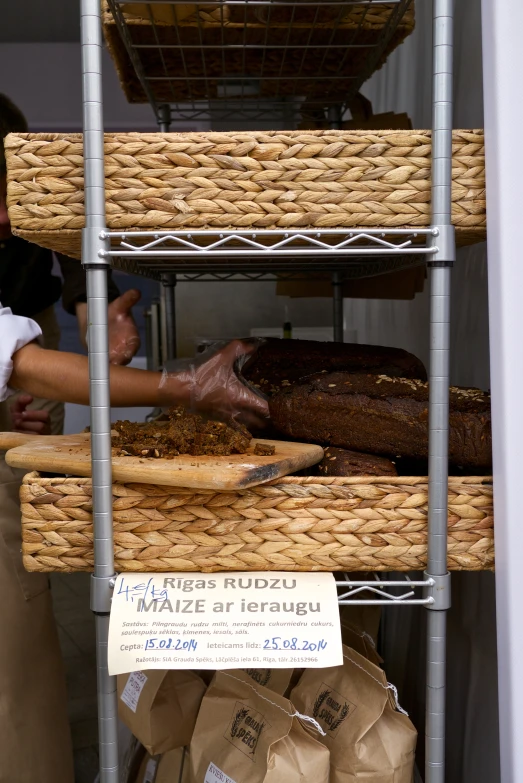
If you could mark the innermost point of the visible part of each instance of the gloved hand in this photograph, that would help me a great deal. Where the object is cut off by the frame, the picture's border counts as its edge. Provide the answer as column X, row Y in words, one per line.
column 124, row 340
column 32, row 422
column 209, row 384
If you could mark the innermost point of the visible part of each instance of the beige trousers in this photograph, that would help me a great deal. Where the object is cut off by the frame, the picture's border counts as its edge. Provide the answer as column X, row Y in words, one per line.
column 35, row 740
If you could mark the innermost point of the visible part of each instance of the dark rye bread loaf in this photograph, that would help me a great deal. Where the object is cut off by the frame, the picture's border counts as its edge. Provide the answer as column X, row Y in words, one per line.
column 382, row 415
column 342, row 462
column 281, row 363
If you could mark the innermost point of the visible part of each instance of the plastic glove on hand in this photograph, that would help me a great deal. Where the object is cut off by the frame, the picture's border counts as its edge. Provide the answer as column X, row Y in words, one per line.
column 30, row 422
column 124, row 340
column 211, row 386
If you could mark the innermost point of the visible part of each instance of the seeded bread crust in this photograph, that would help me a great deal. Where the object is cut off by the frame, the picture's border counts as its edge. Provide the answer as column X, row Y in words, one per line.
column 378, row 414
column 278, row 364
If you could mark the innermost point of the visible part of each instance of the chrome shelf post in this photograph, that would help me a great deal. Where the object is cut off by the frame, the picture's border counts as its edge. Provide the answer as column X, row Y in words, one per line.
column 96, row 268
column 440, row 271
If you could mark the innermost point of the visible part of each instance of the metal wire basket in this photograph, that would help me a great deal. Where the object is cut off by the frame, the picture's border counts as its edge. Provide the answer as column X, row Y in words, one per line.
column 236, row 55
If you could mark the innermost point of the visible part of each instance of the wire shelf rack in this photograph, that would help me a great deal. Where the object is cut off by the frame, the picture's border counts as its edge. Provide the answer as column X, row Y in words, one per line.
column 384, row 592
column 305, row 60
column 256, row 254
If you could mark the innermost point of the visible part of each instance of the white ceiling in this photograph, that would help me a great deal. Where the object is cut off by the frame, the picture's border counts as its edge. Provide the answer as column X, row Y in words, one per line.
column 39, row 21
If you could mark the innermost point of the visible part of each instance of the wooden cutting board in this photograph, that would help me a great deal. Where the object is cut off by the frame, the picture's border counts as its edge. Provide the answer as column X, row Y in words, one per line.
column 10, row 440
column 71, row 454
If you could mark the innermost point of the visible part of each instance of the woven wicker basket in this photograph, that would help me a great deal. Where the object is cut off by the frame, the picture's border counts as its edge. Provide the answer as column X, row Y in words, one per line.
column 242, row 180
column 292, row 524
column 176, row 45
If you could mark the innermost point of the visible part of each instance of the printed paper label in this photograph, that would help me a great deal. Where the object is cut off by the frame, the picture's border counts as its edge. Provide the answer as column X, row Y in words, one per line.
column 133, row 689
column 224, row 621
column 215, row 775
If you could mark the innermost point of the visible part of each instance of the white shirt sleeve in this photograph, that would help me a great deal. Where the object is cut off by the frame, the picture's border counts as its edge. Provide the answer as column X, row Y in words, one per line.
column 15, row 332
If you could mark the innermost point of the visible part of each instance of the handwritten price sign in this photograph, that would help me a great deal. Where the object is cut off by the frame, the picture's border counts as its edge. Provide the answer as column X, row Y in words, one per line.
column 224, row 621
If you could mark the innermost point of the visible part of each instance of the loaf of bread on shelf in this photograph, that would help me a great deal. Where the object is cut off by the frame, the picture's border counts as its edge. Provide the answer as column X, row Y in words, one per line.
column 382, row 415
column 280, row 363
column 343, row 462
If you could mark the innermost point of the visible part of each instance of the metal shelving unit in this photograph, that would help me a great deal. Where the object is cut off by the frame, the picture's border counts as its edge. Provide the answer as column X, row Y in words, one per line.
column 168, row 256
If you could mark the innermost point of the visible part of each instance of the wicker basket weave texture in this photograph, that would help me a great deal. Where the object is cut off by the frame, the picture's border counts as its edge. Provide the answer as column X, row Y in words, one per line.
column 242, row 180
column 227, row 41
column 292, row 524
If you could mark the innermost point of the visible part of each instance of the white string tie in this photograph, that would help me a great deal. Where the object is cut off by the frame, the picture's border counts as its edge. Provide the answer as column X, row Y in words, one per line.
column 387, row 687
column 296, row 714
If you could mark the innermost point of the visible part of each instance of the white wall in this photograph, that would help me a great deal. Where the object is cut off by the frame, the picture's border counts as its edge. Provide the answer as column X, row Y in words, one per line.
column 45, row 81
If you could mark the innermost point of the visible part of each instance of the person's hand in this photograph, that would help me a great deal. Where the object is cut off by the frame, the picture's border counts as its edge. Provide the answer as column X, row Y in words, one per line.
column 124, row 340
column 213, row 387
column 31, row 422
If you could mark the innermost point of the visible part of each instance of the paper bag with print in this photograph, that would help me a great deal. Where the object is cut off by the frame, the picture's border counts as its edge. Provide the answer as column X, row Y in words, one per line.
column 160, row 707
column 246, row 733
column 368, row 738
column 171, row 767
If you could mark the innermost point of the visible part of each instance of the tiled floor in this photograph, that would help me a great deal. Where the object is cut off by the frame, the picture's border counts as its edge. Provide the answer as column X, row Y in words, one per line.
column 77, row 640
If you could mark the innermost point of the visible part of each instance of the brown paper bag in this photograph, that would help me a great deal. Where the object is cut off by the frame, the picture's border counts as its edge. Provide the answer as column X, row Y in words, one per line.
column 357, row 640
column 171, row 767
column 368, row 738
column 295, row 678
column 174, row 767
column 276, row 680
column 354, row 638
column 160, row 707
column 249, row 734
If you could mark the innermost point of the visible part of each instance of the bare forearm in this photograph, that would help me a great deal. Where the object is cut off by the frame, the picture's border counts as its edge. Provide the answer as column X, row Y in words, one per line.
column 211, row 387
column 55, row 375
column 81, row 317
